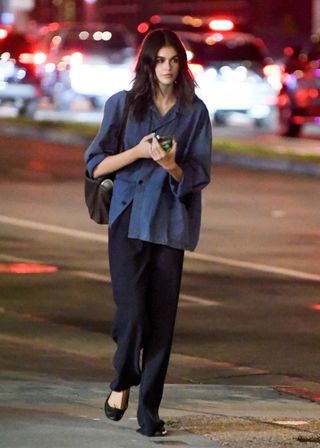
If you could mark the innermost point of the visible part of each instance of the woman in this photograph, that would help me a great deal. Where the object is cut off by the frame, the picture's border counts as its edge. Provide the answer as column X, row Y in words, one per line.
column 154, row 215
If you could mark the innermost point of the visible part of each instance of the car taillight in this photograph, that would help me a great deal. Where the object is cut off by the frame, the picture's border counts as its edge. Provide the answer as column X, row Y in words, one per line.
column 273, row 75
column 32, row 58
column 143, row 27
column 196, row 69
column 76, row 59
column 155, row 19
column 221, row 25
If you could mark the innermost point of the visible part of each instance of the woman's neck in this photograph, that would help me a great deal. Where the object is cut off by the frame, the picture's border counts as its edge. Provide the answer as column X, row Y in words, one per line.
column 164, row 99
column 165, row 94
column 164, row 104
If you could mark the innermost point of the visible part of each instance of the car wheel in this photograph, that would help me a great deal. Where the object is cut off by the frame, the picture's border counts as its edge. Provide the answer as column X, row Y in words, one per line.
column 220, row 119
column 287, row 128
column 263, row 123
column 28, row 109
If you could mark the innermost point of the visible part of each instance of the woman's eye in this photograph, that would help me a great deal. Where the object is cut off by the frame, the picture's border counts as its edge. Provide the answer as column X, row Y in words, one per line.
column 174, row 60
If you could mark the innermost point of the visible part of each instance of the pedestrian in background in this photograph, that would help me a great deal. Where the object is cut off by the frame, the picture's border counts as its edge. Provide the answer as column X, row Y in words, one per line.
column 154, row 215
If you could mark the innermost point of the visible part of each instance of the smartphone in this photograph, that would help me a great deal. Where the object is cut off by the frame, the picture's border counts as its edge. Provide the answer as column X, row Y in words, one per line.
column 165, row 141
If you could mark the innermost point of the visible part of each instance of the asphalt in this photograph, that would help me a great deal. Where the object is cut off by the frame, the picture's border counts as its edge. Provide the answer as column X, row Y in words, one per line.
column 50, row 412
column 285, row 164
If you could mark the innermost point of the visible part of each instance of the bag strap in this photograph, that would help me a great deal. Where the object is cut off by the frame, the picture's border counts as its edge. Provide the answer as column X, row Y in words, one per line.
column 125, row 115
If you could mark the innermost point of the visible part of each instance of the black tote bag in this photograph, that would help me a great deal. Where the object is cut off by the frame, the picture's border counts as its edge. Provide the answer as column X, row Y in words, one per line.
column 98, row 191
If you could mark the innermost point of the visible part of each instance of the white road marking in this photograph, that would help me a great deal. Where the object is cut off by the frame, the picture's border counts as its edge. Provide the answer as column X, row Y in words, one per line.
column 106, row 278
column 198, row 300
column 253, row 266
column 92, row 276
column 290, row 422
column 12, row 259
column 25, row 223
column 190, row 300
column 190, row 255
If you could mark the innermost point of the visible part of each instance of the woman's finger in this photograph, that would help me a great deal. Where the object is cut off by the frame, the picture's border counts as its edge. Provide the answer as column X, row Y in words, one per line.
column 149, row 137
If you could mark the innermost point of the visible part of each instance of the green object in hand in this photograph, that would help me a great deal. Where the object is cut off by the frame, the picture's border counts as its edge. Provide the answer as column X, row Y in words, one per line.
column 165, row 141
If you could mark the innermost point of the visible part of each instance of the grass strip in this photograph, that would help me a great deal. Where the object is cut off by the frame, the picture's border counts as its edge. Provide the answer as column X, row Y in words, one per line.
column 223, row 146
column 231, row 147
column 87, row 129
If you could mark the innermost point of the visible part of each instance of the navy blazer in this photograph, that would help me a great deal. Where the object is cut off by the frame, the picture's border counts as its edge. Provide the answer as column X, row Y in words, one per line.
column 164, row 211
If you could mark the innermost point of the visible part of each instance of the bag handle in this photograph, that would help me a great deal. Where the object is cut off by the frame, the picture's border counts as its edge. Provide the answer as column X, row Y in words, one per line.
column 125, row 115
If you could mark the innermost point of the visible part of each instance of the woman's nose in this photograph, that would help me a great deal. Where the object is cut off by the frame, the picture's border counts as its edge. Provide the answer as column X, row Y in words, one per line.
column 168, row 65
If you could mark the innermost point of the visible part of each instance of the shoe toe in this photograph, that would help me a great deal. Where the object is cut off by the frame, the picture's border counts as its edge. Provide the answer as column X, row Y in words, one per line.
column 113, row 413
column 161, row 432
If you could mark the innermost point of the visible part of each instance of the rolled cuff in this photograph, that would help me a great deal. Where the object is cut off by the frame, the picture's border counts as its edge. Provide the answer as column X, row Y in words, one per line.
column 92, row 163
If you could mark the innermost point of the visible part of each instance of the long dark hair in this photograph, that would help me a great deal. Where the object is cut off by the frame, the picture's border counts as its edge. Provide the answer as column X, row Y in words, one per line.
column 145, row 82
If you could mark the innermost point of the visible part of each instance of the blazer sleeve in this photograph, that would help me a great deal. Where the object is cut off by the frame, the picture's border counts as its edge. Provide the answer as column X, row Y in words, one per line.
column 197, row 159
column 105, row 142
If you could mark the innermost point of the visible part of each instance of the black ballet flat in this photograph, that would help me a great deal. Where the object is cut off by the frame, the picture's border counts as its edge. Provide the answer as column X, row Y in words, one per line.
column 161, row 432
column 114, row 414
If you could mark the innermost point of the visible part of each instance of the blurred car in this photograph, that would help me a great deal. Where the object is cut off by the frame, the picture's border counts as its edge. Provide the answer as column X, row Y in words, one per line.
column 299, row 98
column 234, row 73
column 87, row 61
column 196, row 24
column 18, row 80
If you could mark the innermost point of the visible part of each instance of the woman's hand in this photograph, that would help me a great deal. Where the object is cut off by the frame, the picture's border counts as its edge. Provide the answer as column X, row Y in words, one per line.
column 144, row 146
column 166, row 159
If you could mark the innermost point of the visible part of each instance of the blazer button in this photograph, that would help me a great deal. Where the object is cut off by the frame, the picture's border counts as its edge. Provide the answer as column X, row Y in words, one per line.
column 123, row 202
column 140, row 182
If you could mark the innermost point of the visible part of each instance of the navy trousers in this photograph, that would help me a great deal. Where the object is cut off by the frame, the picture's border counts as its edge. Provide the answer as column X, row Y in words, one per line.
column 146, row 281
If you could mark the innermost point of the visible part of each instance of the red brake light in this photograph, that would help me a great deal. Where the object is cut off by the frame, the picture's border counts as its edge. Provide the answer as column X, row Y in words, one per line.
column 155, row 19
column 3, row 33
column 221, row 25
column 142, row 27
column 288, row 51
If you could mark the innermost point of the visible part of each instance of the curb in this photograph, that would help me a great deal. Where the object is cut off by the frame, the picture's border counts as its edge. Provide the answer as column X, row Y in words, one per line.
column 267, row 163
column 299, row 392
column 47, row 134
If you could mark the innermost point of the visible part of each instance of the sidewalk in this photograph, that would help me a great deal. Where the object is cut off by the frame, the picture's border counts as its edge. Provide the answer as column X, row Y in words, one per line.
column 41, row 412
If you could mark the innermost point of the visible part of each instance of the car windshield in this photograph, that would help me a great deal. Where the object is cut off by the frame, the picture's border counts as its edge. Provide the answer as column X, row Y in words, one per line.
column 226, row 50
column 97, row 42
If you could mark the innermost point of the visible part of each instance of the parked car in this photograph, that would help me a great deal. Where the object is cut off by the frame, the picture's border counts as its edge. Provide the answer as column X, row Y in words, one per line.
column 87, row 61
column 235, row 74
column 196, row 24
column 18, row 80
column 299, row 98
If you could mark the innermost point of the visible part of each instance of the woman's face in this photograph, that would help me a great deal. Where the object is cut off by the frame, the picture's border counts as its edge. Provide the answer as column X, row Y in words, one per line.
column 167, row 66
